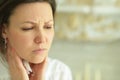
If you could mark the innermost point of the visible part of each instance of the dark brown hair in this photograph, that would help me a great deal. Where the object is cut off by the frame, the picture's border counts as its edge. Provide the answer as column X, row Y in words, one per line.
column 6, row 9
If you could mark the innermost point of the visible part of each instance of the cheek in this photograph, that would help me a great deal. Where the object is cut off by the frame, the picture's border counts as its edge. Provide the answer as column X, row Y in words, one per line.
column 50, row 36
column 18, row 41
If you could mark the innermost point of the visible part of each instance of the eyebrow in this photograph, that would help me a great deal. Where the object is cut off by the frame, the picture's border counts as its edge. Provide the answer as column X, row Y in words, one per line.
column 49, row 21
column 32, row 22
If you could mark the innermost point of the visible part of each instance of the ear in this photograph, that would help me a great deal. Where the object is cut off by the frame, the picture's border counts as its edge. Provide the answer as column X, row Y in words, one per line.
column 4, row 31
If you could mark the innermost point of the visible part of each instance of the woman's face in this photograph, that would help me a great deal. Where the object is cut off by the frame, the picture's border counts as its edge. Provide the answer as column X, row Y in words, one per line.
column 31, row 31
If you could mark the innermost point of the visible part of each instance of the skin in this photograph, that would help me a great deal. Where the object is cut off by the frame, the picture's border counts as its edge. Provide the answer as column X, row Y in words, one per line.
column 30, row 28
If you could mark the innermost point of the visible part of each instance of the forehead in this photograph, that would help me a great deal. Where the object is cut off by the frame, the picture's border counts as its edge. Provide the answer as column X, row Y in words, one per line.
column 32, row 11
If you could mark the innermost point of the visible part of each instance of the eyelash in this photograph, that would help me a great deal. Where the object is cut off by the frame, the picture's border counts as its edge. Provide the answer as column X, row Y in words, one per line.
column 25, row 29
column 46, row 27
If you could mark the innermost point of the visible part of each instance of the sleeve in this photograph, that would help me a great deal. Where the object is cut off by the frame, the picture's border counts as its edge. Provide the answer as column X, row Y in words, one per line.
column 4, row 78
column 4, row 72
column 65, row 73
column 62, row 72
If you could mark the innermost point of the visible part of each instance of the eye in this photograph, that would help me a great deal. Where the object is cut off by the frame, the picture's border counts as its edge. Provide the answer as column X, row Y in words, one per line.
column 26, row 29
column 48, row 26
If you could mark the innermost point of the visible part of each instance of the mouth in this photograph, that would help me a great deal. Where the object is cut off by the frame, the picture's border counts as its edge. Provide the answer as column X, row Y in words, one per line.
column 40, row 51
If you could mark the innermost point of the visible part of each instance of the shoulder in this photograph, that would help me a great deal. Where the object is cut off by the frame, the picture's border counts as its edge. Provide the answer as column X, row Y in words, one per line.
column 59, row 70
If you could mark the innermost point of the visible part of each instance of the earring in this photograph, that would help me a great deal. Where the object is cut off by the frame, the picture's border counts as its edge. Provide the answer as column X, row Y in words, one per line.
column 5, row 42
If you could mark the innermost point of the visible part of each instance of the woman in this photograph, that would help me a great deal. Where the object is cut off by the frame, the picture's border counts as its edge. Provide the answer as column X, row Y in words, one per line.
column 27, row 31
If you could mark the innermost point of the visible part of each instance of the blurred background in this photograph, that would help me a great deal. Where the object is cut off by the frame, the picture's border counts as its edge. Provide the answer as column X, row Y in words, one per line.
column 87, row 38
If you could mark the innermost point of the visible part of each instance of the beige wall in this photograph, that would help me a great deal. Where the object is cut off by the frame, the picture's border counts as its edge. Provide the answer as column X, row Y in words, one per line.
column 88, row 20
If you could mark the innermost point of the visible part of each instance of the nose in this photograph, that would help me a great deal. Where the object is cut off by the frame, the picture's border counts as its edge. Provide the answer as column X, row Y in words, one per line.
column 40, row 37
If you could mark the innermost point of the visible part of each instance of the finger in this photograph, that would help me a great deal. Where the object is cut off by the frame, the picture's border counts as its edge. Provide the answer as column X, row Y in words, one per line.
column 17, row 70
column 13, row 58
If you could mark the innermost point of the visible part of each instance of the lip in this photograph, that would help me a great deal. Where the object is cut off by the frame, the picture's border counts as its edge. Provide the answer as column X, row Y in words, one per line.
column 39, row 51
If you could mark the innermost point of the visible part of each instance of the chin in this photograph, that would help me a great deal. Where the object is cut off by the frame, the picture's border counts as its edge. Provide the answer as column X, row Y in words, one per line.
column 37, row 61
